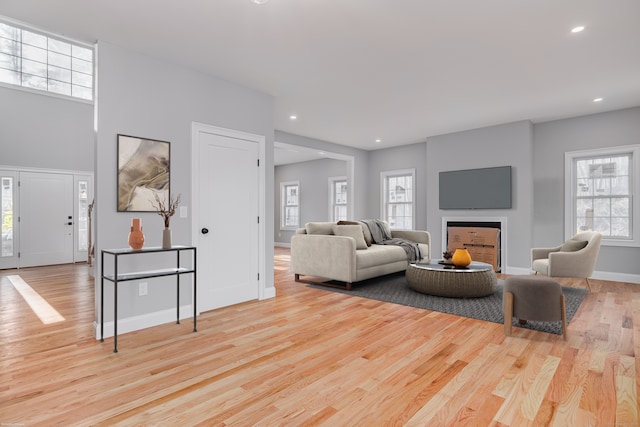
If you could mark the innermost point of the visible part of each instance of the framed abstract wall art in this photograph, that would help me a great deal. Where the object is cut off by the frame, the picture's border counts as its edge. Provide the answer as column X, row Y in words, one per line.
column 143, row 172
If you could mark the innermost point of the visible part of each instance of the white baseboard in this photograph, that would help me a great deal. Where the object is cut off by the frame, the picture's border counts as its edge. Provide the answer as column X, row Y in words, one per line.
column 144, row 321
column 516, row 270
column 616, row 277
column 282, row 244
column 597, row 275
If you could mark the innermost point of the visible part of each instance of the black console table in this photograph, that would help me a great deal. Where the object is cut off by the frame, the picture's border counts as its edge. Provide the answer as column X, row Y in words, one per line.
column 116, row 278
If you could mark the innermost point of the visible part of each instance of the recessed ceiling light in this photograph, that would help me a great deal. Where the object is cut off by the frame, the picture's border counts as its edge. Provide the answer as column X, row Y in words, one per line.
column 577, row 29
column 378, row 140
column 259, row 1
column 597, row 99
column 293, row 117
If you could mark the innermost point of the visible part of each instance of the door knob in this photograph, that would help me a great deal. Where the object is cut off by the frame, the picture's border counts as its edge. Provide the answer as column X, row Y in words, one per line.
column 204, row 230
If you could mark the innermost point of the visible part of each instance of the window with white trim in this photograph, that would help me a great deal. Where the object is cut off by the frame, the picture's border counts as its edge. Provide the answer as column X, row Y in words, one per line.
column 600, row 186
column 38, row 61
column 338, row 198
column 398, row 195
column 289, row 205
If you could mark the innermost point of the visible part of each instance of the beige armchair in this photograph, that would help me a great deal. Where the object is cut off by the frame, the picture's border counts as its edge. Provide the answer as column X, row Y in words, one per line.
column 569, row 259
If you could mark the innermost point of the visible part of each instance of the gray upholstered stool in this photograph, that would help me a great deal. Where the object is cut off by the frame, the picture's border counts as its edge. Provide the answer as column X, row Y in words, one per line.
column 533, row 298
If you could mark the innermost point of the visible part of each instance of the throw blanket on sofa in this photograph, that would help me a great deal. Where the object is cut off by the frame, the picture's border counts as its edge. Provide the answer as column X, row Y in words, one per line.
column 381, row 236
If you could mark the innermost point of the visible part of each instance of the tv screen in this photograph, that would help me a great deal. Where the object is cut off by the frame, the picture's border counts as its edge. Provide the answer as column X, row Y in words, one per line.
column 487, row 188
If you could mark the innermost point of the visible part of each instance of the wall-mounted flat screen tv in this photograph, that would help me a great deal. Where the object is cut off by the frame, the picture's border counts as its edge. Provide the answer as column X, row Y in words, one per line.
column 487, row 188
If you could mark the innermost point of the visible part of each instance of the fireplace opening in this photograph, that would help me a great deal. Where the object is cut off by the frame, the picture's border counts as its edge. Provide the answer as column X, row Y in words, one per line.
column 481, row 238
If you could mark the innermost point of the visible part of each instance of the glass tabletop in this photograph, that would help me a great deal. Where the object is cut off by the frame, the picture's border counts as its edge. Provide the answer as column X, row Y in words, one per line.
column 439, row 265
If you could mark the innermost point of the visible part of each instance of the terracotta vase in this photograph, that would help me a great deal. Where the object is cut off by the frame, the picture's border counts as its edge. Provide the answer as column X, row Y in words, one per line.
column 461, row 258
column 136, row 238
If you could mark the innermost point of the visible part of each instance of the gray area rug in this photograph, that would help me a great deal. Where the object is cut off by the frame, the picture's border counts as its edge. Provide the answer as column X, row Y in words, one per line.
column 394, row 288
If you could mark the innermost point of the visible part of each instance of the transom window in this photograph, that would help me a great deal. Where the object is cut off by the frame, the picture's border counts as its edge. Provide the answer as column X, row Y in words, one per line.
column 35, row 60
column 289, row 205
column 338, row 198
column 601, row 188
column 398, row 195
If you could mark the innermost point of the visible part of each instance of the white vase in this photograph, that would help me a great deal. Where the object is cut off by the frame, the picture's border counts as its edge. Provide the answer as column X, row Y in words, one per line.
column 166, row 238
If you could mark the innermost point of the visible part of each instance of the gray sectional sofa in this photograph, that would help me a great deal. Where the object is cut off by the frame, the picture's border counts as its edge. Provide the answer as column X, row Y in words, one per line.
column 345, row 253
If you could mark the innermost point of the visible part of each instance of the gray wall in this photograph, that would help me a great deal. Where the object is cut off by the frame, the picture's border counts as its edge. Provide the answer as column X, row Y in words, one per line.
column 361, row 165
column 142, row 96
column 406, row 157
column 503, row 145
column 314, row 191
column 551, row 141
column 45, row 132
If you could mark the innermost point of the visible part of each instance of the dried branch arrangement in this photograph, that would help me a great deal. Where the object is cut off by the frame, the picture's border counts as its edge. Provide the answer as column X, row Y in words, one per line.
column 166, row 209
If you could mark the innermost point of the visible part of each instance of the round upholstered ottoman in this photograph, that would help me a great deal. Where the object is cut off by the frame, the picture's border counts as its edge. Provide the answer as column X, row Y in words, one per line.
column 476, row 280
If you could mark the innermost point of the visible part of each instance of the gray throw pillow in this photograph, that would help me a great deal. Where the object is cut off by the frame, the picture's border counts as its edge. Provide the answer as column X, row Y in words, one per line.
column 354, row 231
column 573, row 245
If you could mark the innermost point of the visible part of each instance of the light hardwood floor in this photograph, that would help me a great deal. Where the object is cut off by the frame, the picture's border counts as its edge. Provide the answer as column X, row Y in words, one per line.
column 314, row 357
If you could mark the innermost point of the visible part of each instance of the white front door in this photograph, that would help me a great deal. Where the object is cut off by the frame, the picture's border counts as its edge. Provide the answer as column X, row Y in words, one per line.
column 227, row 219
column 46, row 219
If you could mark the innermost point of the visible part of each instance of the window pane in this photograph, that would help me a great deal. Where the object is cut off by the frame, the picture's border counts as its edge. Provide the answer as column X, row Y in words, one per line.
column 8, row 76
column 34, row 53
column 59, row 87
column 33, row 39
column 602, row 225
column 9, row 46
column 9, row 62
column 601, row 187
column 620, row 227
column 620, row 185
column 602, row 207
column 34, row 68
column 584, row 187
column 82, row 79
column 60, row 74
column 60, row 60
column 82, row 66
column 291, row 217
column 620, row 206
column 34, row 82
column 60, row 47
column 82, row 53
column 9, row 32
column 81, row 92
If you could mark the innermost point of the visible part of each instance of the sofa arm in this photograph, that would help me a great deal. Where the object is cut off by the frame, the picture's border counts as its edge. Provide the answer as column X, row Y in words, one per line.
column 418, row 236
column 328, row 256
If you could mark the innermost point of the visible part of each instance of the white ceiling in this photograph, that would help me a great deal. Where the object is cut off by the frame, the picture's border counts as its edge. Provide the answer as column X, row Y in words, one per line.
column 354, row 71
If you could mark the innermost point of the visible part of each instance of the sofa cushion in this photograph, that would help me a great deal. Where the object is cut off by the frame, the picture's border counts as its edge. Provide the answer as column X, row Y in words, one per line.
column 319, row 227
column 379, row 255
column 573, row 245
column 354, row 231
column 365, row 229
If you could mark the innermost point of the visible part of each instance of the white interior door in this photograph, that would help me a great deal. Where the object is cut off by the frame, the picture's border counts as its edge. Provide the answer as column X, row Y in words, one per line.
column 9, row 219
column 46, row 219
column 228, row 200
